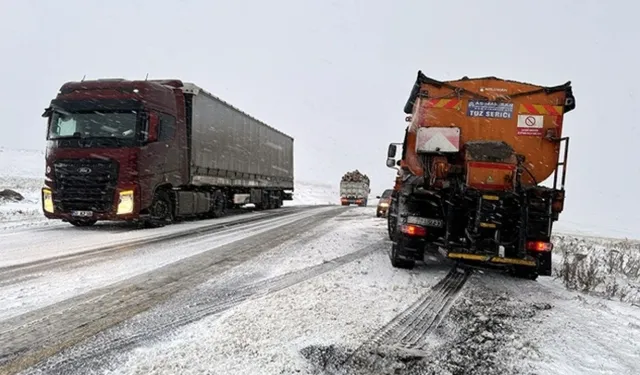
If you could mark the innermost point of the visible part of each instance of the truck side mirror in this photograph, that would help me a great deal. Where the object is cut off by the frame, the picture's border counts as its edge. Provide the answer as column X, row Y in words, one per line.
column 152, row 131
column 391, row 153
column 391, row 162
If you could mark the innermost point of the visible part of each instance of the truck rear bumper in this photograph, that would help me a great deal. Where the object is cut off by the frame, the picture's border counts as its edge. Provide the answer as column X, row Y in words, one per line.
column 493, row 259
column 541, row 261
column 347, row 201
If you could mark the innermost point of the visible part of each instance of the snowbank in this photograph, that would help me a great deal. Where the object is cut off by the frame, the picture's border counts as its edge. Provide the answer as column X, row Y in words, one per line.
column 606, row 267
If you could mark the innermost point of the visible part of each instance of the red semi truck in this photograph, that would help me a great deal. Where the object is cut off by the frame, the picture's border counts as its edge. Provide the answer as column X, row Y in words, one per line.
column 156, row 150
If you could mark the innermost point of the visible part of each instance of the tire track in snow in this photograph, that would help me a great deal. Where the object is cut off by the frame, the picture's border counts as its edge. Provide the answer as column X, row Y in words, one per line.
column 407, row 332
column 16, row 273
column 33, row 337
column 107, row 351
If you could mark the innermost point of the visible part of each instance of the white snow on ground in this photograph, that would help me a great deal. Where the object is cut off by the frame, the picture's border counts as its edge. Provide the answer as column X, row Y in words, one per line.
column 584, row 335
column 580, row 334
column 353, row 230
column 59, row 284
column 22, row 171
column 265, row 335
column 314, row 193
column 19, row 247
column 603, row 266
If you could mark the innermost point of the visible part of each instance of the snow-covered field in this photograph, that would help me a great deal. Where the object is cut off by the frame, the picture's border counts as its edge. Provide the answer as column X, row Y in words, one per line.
column 305, row 290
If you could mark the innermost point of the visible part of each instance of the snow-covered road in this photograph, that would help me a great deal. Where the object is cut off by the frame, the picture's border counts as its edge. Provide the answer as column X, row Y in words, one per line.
column 310, row 291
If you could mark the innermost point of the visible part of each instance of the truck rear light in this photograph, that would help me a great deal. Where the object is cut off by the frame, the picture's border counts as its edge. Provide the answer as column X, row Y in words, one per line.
column 557, row 206
column 414, row 230
column 539, row 246
column 47, row 201
column 125, row 202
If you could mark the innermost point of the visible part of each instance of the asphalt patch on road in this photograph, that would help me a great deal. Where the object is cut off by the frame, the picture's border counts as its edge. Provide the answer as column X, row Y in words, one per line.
column 483, row 333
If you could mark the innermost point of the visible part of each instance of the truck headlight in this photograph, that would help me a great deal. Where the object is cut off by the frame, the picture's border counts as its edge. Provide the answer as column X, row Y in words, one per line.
column 384, row 204
column 125, row 203
column 47, row 201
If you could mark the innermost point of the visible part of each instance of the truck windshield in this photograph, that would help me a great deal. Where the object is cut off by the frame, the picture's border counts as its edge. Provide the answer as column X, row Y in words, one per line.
column 387, row 193
column 95, row 124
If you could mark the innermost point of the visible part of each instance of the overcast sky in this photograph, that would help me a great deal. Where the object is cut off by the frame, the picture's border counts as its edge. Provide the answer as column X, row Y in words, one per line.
column 336, row 74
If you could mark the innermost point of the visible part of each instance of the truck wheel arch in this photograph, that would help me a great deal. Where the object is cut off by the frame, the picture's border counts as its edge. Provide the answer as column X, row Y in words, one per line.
column 166, row 187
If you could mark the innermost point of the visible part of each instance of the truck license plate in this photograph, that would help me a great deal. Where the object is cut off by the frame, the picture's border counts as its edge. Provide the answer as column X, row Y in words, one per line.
column 425, row 221
column 82, row 213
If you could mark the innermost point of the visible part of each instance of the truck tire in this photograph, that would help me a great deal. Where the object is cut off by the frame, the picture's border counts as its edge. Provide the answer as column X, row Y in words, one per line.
column 525, row 273
column 82, row 223
column 391, row 226
column 400, row 263
column 161, row 210
column 219, row 204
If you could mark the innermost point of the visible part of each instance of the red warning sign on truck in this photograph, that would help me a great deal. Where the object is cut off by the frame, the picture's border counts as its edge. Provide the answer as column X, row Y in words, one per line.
column 531, row 125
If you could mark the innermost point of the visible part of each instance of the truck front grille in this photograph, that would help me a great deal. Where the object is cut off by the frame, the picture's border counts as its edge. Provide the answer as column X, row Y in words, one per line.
column 85, row 184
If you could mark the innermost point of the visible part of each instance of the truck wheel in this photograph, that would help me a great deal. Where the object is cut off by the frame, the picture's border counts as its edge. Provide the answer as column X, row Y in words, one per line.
column 391, row 226
column 400, row 263
column 161, row 210
column 219, row 201
column 525, row 273
column 82, row 223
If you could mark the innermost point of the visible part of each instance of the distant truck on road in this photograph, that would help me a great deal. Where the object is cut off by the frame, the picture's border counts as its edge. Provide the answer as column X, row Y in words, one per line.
column 354, row 189
column 157, row 150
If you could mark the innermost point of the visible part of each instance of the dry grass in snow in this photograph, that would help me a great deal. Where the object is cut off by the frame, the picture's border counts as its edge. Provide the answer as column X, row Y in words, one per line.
column 606, row 267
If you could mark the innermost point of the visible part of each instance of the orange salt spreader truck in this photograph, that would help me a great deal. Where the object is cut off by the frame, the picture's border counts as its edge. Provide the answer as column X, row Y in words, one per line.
column 473, row 160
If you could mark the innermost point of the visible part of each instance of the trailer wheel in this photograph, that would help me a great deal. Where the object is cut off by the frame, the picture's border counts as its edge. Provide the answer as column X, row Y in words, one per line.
column 396, row 262
column 161, row 210
column 82, row 223
column 219, row 201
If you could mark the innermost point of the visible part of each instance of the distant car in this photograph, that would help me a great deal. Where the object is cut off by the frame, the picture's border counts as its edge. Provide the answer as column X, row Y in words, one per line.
column 383, row 203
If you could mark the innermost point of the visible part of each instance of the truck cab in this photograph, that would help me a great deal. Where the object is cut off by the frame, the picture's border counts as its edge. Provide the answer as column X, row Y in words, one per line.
column 110, row 144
